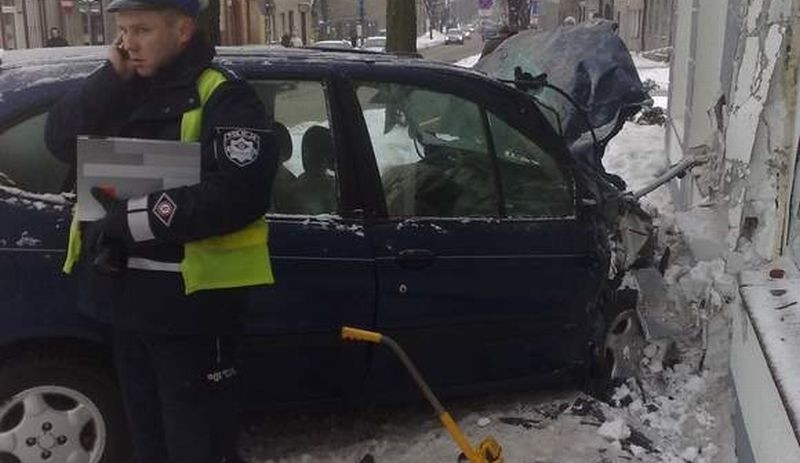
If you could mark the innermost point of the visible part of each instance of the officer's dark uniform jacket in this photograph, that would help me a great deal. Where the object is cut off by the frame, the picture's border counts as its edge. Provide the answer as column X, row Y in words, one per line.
column 230, row 196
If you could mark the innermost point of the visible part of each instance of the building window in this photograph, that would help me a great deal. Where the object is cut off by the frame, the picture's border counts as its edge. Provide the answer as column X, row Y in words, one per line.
column 283, row 23
column 291, row 23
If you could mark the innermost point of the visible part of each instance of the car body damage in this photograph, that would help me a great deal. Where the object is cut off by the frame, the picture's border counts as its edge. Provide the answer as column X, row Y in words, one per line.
column 584, row 81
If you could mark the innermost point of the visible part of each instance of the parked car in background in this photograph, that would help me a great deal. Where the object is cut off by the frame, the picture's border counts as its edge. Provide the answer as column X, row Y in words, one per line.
column 333, row 44
column 454, row 35
column 478, row 242
column 374, row 44
column 489, row 30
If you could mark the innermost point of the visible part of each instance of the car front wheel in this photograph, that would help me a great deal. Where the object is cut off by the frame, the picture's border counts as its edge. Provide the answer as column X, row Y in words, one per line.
column 619, row 356
column 60, row 410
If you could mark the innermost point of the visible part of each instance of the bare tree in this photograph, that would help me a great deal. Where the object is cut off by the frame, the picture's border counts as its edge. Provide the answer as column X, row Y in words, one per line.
column 429, row 10
column 401, row 23
column 519, row 14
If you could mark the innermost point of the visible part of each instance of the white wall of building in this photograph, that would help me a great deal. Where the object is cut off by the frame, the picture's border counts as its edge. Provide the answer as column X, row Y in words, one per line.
column 734, row 97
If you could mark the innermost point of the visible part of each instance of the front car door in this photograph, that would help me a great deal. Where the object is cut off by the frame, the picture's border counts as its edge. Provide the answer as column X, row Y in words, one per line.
column 484, row 266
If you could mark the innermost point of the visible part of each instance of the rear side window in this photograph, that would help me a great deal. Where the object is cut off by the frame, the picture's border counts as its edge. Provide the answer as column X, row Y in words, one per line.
column 25, row 160
column 431, row 151
column 306, row 181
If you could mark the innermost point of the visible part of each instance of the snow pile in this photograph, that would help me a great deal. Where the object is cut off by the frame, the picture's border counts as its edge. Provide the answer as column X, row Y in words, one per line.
column 615, row 430
column 425, row 40
column 469, row 61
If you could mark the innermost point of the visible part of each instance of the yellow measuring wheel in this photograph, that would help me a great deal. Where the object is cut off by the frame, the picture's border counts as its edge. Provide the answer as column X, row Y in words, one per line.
column 488, row 451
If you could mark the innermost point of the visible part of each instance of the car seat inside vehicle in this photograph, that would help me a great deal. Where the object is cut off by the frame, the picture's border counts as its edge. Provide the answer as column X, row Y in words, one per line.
column 282, row 197
column 316, row 186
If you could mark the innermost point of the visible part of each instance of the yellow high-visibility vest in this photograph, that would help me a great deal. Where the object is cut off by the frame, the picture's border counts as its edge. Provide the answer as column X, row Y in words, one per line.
column 235, row 260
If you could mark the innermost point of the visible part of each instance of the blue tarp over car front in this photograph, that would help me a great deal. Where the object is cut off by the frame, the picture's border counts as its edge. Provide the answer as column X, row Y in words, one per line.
column 588, row 61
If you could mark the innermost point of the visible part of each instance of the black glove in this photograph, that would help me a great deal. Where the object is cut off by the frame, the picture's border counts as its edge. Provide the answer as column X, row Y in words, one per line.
column 107, row 237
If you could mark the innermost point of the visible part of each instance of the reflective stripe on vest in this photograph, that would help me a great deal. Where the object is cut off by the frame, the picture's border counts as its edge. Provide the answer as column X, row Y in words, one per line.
column 234, row 260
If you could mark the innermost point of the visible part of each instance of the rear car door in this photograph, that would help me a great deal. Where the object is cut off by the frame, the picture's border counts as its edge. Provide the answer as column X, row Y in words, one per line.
column 322, row 261
column 36, row 300
column 484, row 266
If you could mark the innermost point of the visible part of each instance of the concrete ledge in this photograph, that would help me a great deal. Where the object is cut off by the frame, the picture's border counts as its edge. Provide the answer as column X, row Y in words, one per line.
column 765, row 366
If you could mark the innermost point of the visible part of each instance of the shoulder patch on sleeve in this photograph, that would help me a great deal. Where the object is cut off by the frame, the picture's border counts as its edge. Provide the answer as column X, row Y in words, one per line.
column 241, row 146
column 164, row 209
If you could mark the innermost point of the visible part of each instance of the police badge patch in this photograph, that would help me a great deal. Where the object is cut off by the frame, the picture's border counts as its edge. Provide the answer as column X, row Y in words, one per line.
column 241, row 146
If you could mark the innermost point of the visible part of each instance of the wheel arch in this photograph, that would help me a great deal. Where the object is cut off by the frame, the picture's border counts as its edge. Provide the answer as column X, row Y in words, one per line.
column 93, row 350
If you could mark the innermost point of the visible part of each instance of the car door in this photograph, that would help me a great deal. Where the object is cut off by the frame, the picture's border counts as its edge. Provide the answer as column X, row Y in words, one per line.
column 483, row 264
column 35, row 298
column 322, row 262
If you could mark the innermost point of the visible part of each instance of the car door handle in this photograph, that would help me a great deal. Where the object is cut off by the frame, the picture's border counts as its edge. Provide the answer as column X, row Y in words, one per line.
column 415, row 258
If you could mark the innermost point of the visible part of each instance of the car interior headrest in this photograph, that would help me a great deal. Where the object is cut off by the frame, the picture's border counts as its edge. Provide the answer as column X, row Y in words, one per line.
column 284, row 141
column 317, row 150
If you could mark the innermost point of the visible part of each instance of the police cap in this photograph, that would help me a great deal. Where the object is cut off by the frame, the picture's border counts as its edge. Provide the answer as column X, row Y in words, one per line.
column 190, row 7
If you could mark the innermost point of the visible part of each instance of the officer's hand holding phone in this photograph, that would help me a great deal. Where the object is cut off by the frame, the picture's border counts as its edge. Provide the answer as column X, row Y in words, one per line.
column 120, row 59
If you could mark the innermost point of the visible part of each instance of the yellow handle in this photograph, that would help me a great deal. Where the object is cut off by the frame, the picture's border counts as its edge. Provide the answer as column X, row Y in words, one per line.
column 356, row 334
column 459, row 438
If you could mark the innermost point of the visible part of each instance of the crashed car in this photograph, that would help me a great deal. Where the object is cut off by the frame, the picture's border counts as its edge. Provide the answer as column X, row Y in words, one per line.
column 432, row 203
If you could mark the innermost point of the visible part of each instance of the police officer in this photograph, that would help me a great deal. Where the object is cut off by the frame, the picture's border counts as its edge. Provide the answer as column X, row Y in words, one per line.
column 173, row 266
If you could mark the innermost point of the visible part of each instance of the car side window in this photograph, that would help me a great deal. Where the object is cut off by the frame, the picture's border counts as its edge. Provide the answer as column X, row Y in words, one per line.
column 533, row 183
column 306, row 180
column 431, row 151
column 25, row 161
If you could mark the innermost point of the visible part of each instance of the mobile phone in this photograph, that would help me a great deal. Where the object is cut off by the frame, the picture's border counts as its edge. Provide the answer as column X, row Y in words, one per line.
column 122, row 51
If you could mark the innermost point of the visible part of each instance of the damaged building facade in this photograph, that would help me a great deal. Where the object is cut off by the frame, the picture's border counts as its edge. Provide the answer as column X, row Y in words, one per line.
column 735, row 103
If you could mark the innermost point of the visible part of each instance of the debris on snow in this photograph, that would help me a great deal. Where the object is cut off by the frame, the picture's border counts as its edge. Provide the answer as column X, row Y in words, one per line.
column 483, row 422
column 615, row 430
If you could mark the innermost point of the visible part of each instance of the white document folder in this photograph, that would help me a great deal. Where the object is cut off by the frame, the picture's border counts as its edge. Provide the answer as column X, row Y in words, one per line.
column 133, row 167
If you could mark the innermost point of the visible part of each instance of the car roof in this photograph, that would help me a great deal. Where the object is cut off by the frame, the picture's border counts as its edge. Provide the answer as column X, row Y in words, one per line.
column 24, row 68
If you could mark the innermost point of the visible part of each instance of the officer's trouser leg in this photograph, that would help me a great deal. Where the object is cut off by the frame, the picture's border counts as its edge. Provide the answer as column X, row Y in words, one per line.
column 196, row 377
column 140, row 394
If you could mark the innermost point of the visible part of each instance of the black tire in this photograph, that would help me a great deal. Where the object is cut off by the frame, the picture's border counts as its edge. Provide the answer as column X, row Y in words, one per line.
column 64, row 383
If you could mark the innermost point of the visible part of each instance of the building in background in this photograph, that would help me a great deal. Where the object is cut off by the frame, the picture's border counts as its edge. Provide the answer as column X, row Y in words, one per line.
column 249, row 21
column 25, row 23
column 344, row 19
column 643, row 24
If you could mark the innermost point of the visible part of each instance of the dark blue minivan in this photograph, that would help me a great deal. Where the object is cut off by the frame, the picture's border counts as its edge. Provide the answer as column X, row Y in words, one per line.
column 428, row 202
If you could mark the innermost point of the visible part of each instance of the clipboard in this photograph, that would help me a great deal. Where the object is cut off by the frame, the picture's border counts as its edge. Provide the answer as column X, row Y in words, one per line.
column 134, row 167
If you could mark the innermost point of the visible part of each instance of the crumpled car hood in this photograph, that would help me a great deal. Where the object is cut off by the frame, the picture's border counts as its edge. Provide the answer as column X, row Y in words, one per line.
column 591, row 63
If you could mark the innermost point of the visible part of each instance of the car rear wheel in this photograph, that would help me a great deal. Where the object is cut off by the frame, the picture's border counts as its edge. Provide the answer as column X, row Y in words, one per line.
column 60, row 410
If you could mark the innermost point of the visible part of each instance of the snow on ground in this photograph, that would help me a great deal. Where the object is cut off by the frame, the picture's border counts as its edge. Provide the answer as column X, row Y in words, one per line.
column 425, row 40
column 469, row 61
column 678, row 411
column 656, row 71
